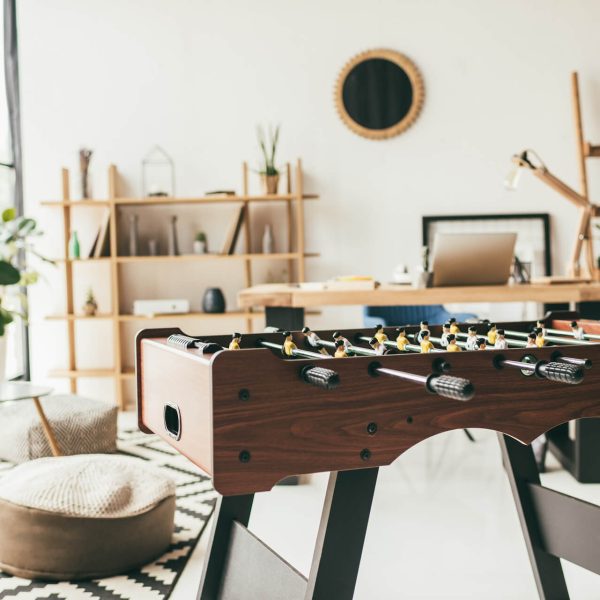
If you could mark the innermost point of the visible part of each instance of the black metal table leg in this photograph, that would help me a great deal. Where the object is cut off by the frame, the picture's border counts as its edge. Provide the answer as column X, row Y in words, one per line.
column 229, row 509
column 341, row 535
column 521, row 469
column 284, row 317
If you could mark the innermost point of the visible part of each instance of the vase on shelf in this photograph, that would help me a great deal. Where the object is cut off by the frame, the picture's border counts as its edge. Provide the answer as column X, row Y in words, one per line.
column 213, row 301
column 270, row 183
column 267, row 240
column 74, row 249
column 133, row 235
column 173, row 241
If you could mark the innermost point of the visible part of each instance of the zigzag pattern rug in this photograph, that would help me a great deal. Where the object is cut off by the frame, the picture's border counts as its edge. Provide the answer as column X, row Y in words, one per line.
column 195, row 503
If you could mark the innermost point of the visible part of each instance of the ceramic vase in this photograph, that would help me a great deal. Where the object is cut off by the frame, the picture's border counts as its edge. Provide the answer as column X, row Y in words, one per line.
column 213, row 301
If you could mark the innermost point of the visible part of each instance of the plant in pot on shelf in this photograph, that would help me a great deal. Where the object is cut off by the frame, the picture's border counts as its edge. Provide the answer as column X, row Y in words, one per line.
column 269, row 174
column 200, row 246
column 91, row 306
column 16, row 234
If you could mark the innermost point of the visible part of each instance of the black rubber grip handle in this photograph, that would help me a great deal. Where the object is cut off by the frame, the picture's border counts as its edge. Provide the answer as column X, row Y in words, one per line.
column 323, row 378
column 560, row 372
column 208, row 347
column 448, row 386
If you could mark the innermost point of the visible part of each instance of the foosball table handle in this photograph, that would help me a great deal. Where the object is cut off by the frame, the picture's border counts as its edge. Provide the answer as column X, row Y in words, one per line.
column 320, row 377
column 560, row 372
column 456, row 388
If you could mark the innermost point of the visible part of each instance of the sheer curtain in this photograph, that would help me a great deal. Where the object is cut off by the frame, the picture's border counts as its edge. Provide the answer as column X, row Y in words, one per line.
column 11, row 186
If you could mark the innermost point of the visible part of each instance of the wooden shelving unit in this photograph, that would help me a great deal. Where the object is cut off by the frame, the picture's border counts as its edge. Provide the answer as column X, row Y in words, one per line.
column 294, row 255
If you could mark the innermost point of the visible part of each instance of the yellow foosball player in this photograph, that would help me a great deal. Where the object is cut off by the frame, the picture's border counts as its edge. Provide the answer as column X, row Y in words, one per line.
column 452, row 345
column 492, row 334
column 380, row 334
column 454, row 328
column 541, row 325
column 340, row 349
column 539, row 337
column 426, row 345
column 401, row 340
column 234, row 344
column 288, row 344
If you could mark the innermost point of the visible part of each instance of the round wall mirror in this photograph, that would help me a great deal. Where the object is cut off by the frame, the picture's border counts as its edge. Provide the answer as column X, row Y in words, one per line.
column 379, row 93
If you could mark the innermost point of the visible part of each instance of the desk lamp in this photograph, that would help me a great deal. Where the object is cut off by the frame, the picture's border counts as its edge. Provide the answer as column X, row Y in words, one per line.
column 528, row 159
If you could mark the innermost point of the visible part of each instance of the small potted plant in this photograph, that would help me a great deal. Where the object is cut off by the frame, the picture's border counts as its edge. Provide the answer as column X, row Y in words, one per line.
column 269, row 174
column 200, row 246
column 91, row 306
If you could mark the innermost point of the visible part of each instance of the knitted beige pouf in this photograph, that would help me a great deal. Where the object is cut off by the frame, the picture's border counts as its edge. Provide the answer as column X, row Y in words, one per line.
column 81, row 426
column 78, row 517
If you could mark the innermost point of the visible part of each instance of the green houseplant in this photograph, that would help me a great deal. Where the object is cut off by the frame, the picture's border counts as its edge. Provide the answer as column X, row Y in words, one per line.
column 269, row 173
column 16, row 234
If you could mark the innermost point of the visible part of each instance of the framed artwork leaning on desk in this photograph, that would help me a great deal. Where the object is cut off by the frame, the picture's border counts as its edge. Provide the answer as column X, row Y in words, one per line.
column 532, row 229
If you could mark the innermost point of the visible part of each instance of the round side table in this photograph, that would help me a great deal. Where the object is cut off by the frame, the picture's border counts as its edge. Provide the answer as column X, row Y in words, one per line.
column 13, row 391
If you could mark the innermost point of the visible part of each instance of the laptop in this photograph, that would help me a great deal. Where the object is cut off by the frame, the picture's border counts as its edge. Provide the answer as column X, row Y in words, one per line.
column 472, row 258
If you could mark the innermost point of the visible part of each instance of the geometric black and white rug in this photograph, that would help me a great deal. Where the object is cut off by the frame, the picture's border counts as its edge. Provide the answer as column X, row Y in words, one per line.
column 195, row 503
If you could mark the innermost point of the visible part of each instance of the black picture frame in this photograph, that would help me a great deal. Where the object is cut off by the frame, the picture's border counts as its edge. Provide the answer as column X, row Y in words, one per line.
column 544, row 219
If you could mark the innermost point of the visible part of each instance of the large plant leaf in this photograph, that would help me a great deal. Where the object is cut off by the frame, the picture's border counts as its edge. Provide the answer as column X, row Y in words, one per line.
column 8, row 274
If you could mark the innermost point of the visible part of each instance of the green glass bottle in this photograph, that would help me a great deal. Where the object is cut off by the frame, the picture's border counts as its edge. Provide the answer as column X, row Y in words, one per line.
column 74, row 250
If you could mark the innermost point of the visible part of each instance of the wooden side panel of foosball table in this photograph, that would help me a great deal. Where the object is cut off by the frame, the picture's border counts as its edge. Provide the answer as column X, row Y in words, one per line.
column 180, row 378
column 286, row 427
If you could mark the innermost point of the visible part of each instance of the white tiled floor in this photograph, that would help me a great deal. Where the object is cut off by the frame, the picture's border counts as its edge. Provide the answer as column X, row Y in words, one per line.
column 443, row 525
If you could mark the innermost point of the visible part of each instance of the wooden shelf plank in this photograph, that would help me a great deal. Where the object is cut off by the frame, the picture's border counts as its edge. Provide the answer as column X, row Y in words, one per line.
column 76, row 373
column 194, row 315
column 83, row 260
column 184, row 257
column 161, row 201
column 78, row 317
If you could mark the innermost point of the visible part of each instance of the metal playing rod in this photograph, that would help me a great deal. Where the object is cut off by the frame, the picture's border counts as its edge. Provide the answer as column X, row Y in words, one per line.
column 437, row 340
column 317, row 376
column 448, row 386
column 514, row 343
column 561, row 332
column 563, row 340
column 552, row 371
column 392, row 344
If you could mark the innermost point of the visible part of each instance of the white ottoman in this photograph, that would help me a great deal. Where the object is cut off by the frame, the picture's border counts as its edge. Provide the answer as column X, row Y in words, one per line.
column 81, row 426
column 86, row 516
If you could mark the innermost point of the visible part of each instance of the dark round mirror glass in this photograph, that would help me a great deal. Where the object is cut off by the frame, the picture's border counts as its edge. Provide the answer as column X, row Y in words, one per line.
column 377, row 93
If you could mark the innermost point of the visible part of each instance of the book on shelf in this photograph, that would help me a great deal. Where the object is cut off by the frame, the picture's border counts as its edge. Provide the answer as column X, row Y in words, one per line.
column 102, row 245
column 234, row 231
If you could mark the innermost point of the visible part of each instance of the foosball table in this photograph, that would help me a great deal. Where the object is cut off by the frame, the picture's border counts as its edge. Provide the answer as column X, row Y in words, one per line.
column 251, row 410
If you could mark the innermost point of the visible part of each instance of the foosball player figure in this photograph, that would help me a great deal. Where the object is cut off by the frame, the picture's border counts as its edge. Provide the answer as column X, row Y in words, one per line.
column 452, row 345
column 577, row 331
column 531, row 340
column 288, row 344
column 234, row 344
column 454, row 328
column 380, row 334
column 424, row 325
column 501, row 343
column 541, row 325
column 471, row 343
column 539, row 337
column 445, row 333
column 426, row 345
column 377, row 346
column 337, row 336
column 492, row 334
column 401, row 340
column 314, row 340
column 481, row 343
column 340, row 350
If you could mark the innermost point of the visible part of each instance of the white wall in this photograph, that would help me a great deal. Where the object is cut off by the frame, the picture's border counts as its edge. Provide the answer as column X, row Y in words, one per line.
column 196, row 77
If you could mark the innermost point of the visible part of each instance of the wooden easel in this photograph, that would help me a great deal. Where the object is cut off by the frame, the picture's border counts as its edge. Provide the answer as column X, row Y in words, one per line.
column 585, row 150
